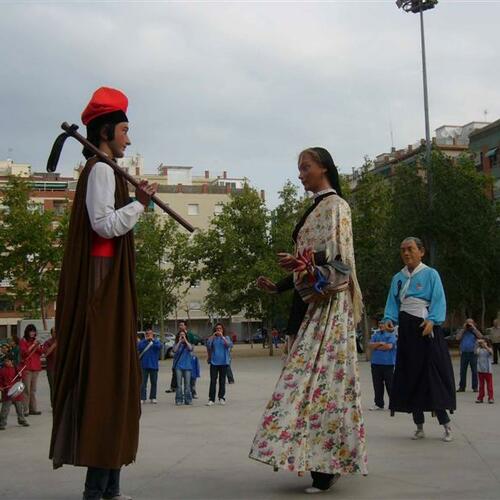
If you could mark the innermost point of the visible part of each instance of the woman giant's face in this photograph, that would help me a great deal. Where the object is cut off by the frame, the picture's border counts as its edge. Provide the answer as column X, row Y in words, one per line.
column 311, row 173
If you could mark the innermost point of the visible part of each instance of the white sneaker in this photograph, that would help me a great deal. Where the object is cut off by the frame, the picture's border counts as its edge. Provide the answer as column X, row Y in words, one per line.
column 210, row 403
column 447, row 438
column 376, row 408
column 419, row 434
column 312, row 490
column 222, row 401
column 153, row 401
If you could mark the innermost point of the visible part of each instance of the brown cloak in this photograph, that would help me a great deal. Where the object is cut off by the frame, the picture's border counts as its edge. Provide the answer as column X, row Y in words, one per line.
column 97, row 377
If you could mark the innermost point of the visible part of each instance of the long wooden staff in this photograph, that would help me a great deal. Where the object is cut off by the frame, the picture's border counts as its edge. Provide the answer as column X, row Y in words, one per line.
column 71, row 130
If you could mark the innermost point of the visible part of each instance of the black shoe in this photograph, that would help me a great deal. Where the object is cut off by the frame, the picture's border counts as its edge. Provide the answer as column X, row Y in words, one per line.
column 2, row 427
column 474, row 390
column 168, row 391
column 35, row 413
column 460, row 390
column 23, row 423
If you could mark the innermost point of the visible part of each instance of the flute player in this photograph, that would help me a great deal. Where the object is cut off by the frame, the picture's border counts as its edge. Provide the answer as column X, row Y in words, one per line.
column 97, row 376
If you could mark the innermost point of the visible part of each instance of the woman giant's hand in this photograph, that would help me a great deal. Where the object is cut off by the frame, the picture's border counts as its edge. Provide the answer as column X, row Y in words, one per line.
column 288, row 262
column 266, row 284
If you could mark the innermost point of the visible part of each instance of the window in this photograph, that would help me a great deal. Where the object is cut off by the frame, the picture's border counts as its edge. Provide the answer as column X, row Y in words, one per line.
column 6, row 305
column 195, row 284
column 5, row 283
column 193, row 209
column 196, row 306
column 35, row 207
column 59, row 207
column 218, row 209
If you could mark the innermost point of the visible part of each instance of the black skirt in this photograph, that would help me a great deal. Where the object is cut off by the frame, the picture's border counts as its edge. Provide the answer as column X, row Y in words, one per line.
column 423, row 377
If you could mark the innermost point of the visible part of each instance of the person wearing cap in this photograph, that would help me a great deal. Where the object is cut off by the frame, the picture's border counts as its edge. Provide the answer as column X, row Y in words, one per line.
column 97, row 375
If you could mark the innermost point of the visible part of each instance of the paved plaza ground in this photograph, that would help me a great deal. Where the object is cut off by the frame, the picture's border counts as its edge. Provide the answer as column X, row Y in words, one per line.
column 201, row 453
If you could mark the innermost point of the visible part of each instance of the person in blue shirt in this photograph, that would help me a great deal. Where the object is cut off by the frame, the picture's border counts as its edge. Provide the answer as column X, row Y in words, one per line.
column 149, row 351
column 183, row 364
column 383, row 359
column 423, row 377
column 468, row 336
column 219, row 358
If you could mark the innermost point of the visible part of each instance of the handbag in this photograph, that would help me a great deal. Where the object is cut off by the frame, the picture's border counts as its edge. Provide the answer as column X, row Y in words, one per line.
column 317, row 283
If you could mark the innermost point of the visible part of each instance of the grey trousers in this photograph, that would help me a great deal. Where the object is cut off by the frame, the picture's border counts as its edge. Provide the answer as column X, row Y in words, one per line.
column 4, row 412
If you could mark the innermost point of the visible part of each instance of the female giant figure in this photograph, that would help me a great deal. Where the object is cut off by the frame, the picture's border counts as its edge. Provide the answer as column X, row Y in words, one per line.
column 313, row 421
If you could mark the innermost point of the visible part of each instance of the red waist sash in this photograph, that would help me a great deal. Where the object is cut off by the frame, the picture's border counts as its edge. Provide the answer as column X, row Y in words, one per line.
column 102, row 247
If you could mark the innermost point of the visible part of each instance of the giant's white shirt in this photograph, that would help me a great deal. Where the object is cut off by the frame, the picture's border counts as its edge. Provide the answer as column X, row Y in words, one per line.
column 100, row 200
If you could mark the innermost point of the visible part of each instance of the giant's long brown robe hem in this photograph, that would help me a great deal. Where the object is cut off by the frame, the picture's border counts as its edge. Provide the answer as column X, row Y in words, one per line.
column 97, row 377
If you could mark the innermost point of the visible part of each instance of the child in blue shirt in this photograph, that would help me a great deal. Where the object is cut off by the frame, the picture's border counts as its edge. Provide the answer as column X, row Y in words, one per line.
column 383, row 359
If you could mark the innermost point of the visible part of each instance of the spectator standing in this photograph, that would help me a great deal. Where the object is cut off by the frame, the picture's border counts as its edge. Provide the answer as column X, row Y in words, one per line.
column 49, row 348
column 468, row 337
column 495, row 340
column 8, row 376
column 173, row 381
column 383, row 359
column 275, row 335
column 484, row 353
column 31, row 351
column 183, row 364
column 14, row 348
column 149, row 352
column 218, row 349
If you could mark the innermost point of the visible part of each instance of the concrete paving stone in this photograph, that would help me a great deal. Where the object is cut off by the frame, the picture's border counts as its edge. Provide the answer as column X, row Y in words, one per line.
column 201, row 453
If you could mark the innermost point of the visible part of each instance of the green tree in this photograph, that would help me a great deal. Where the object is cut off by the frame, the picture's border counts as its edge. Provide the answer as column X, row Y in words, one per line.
column 232, row 253
column 31, row 249
column 374, row 245
column 283, row 220
column 162, row 267
column 462, row 224
column 466, row 235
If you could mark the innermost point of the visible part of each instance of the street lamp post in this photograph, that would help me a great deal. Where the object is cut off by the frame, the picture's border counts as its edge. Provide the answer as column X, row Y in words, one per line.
column 418, row 7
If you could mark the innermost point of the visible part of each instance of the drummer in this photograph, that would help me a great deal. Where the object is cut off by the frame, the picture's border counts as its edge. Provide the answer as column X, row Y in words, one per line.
column 8, row 381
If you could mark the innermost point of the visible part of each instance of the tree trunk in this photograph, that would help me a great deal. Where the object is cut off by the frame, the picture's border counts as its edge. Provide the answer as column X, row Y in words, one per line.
column 162, row 321
column 366, row 335
column 42, row 311
column 483, row 310
column 270, row 340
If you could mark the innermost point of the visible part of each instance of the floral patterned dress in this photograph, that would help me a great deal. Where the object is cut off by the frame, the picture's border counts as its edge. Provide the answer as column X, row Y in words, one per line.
column 314, row 421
